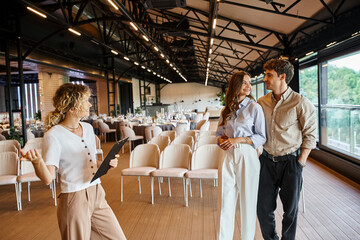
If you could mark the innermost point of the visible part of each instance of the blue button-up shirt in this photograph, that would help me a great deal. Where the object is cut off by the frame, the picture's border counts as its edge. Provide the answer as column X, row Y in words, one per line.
column 247, row 121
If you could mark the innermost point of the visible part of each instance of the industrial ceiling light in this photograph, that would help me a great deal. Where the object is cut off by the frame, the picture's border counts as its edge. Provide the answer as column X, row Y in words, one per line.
column 145, row 37
column 214, row 24
column 113, row 4
column 143, row 67
column 167, row 61
column 126, row 58
column 309, row 53
column 114, row 52
column 136, row 63
column 162, row 55
column 74, row 31
column 210, row 51
column 156, row 49
column 211, row 41
column 133, row 25
column 37, row 12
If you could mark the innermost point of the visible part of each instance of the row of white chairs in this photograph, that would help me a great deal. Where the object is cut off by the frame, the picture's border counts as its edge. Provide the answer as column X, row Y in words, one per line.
column 14, row 171
column 175, row 161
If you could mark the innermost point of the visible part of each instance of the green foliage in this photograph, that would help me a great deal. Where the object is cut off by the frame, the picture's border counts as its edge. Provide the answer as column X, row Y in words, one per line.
column 38, row 115
column 221, row 95
column 137, row 110
column 15, row 136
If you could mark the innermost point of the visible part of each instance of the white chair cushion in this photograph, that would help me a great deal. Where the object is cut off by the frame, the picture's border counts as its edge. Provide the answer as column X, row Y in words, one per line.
column 28, row 177
column 202, row 173
column 169, row 172
column 7, row 179
column 137, row 171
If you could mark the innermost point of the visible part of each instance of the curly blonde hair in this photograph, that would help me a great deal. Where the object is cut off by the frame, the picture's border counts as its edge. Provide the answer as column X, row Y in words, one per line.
column 232, row 94
column 67, row 96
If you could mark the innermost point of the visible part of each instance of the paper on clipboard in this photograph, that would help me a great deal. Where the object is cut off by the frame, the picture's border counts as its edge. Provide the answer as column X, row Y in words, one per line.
column 104, row 167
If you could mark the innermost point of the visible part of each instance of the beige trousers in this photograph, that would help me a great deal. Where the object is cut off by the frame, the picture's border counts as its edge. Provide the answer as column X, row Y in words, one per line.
column 238, row 179
column 86, row 215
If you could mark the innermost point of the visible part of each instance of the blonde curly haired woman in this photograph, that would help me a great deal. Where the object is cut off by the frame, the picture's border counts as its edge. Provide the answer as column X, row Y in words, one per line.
column 69, row 147
column 241, row 131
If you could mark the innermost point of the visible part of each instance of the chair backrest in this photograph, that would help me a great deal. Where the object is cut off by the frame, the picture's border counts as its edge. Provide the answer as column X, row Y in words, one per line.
column 151, row 132
column 34, row 143
column 8, row 148
column 206, row 116
column 2, row 137
column 95, row 123
column 171, row 134
column 125, row 124
column 207, row 156
column 205, row 126
column 180, row 128
column 103, row 127
column 11, row 142
column 145, row 155
column 97, row 142
column 207, row 140
column 175, row 156
column 127, row 132
column 198, row 117
column 207, row 133
column 162, row 141
column 184, row 139
column 199, row 124
column 190, row 133
column 8, row 163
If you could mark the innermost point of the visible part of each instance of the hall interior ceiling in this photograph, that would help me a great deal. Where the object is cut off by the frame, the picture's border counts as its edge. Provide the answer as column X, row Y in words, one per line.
column 150, row 40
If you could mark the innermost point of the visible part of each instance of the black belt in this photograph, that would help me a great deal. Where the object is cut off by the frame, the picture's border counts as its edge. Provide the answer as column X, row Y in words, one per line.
column 281, row 158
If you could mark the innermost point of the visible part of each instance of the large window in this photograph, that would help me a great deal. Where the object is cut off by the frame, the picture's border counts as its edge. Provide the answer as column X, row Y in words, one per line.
column 340, row 91
column 338, row 102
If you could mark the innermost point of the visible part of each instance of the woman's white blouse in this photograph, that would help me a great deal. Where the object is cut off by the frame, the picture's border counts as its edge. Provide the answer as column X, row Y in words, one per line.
column 73, row 156
column 247, row 121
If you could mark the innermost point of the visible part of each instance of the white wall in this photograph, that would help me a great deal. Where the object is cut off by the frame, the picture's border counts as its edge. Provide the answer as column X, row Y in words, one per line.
column 190, row 93
column 174, row 93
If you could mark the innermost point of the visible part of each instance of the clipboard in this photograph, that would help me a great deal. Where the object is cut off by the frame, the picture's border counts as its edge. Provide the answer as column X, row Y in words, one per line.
column 104, row 167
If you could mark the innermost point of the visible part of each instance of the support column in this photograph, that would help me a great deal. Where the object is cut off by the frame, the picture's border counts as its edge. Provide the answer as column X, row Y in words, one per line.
column 8, row 84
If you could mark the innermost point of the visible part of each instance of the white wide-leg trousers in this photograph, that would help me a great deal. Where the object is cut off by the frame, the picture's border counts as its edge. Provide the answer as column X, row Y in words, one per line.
column 238, row 177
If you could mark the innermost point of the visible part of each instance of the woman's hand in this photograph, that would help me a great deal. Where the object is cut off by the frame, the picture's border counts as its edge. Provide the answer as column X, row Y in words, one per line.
column 227, row 143
column 32, row 155
column 114, row 162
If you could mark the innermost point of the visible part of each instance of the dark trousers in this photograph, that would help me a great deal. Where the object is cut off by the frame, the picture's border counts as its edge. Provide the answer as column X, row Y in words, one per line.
column 285, row 178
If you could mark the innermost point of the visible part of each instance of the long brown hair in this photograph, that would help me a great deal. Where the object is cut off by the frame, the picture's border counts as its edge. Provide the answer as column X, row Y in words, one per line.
column 67, row 96
column 232, row 94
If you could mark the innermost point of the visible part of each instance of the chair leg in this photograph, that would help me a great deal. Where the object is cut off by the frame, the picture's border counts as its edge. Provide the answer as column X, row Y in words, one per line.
column 303, row 196
column 200, row 189
column 29, row 191
column 54, row 192
column 121, row 188
column 17, row 196
column 130, row 146
column 190, row 187
column 159, row 180
column 139, row 184
column 169, row 187
column 152, row 190
column 186, row 192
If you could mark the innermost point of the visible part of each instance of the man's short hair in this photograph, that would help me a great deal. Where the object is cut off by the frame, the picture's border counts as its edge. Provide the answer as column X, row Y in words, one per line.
column 281, row 66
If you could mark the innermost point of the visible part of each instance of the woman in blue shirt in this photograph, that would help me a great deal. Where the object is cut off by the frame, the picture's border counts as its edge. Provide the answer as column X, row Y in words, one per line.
column 241, row 131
